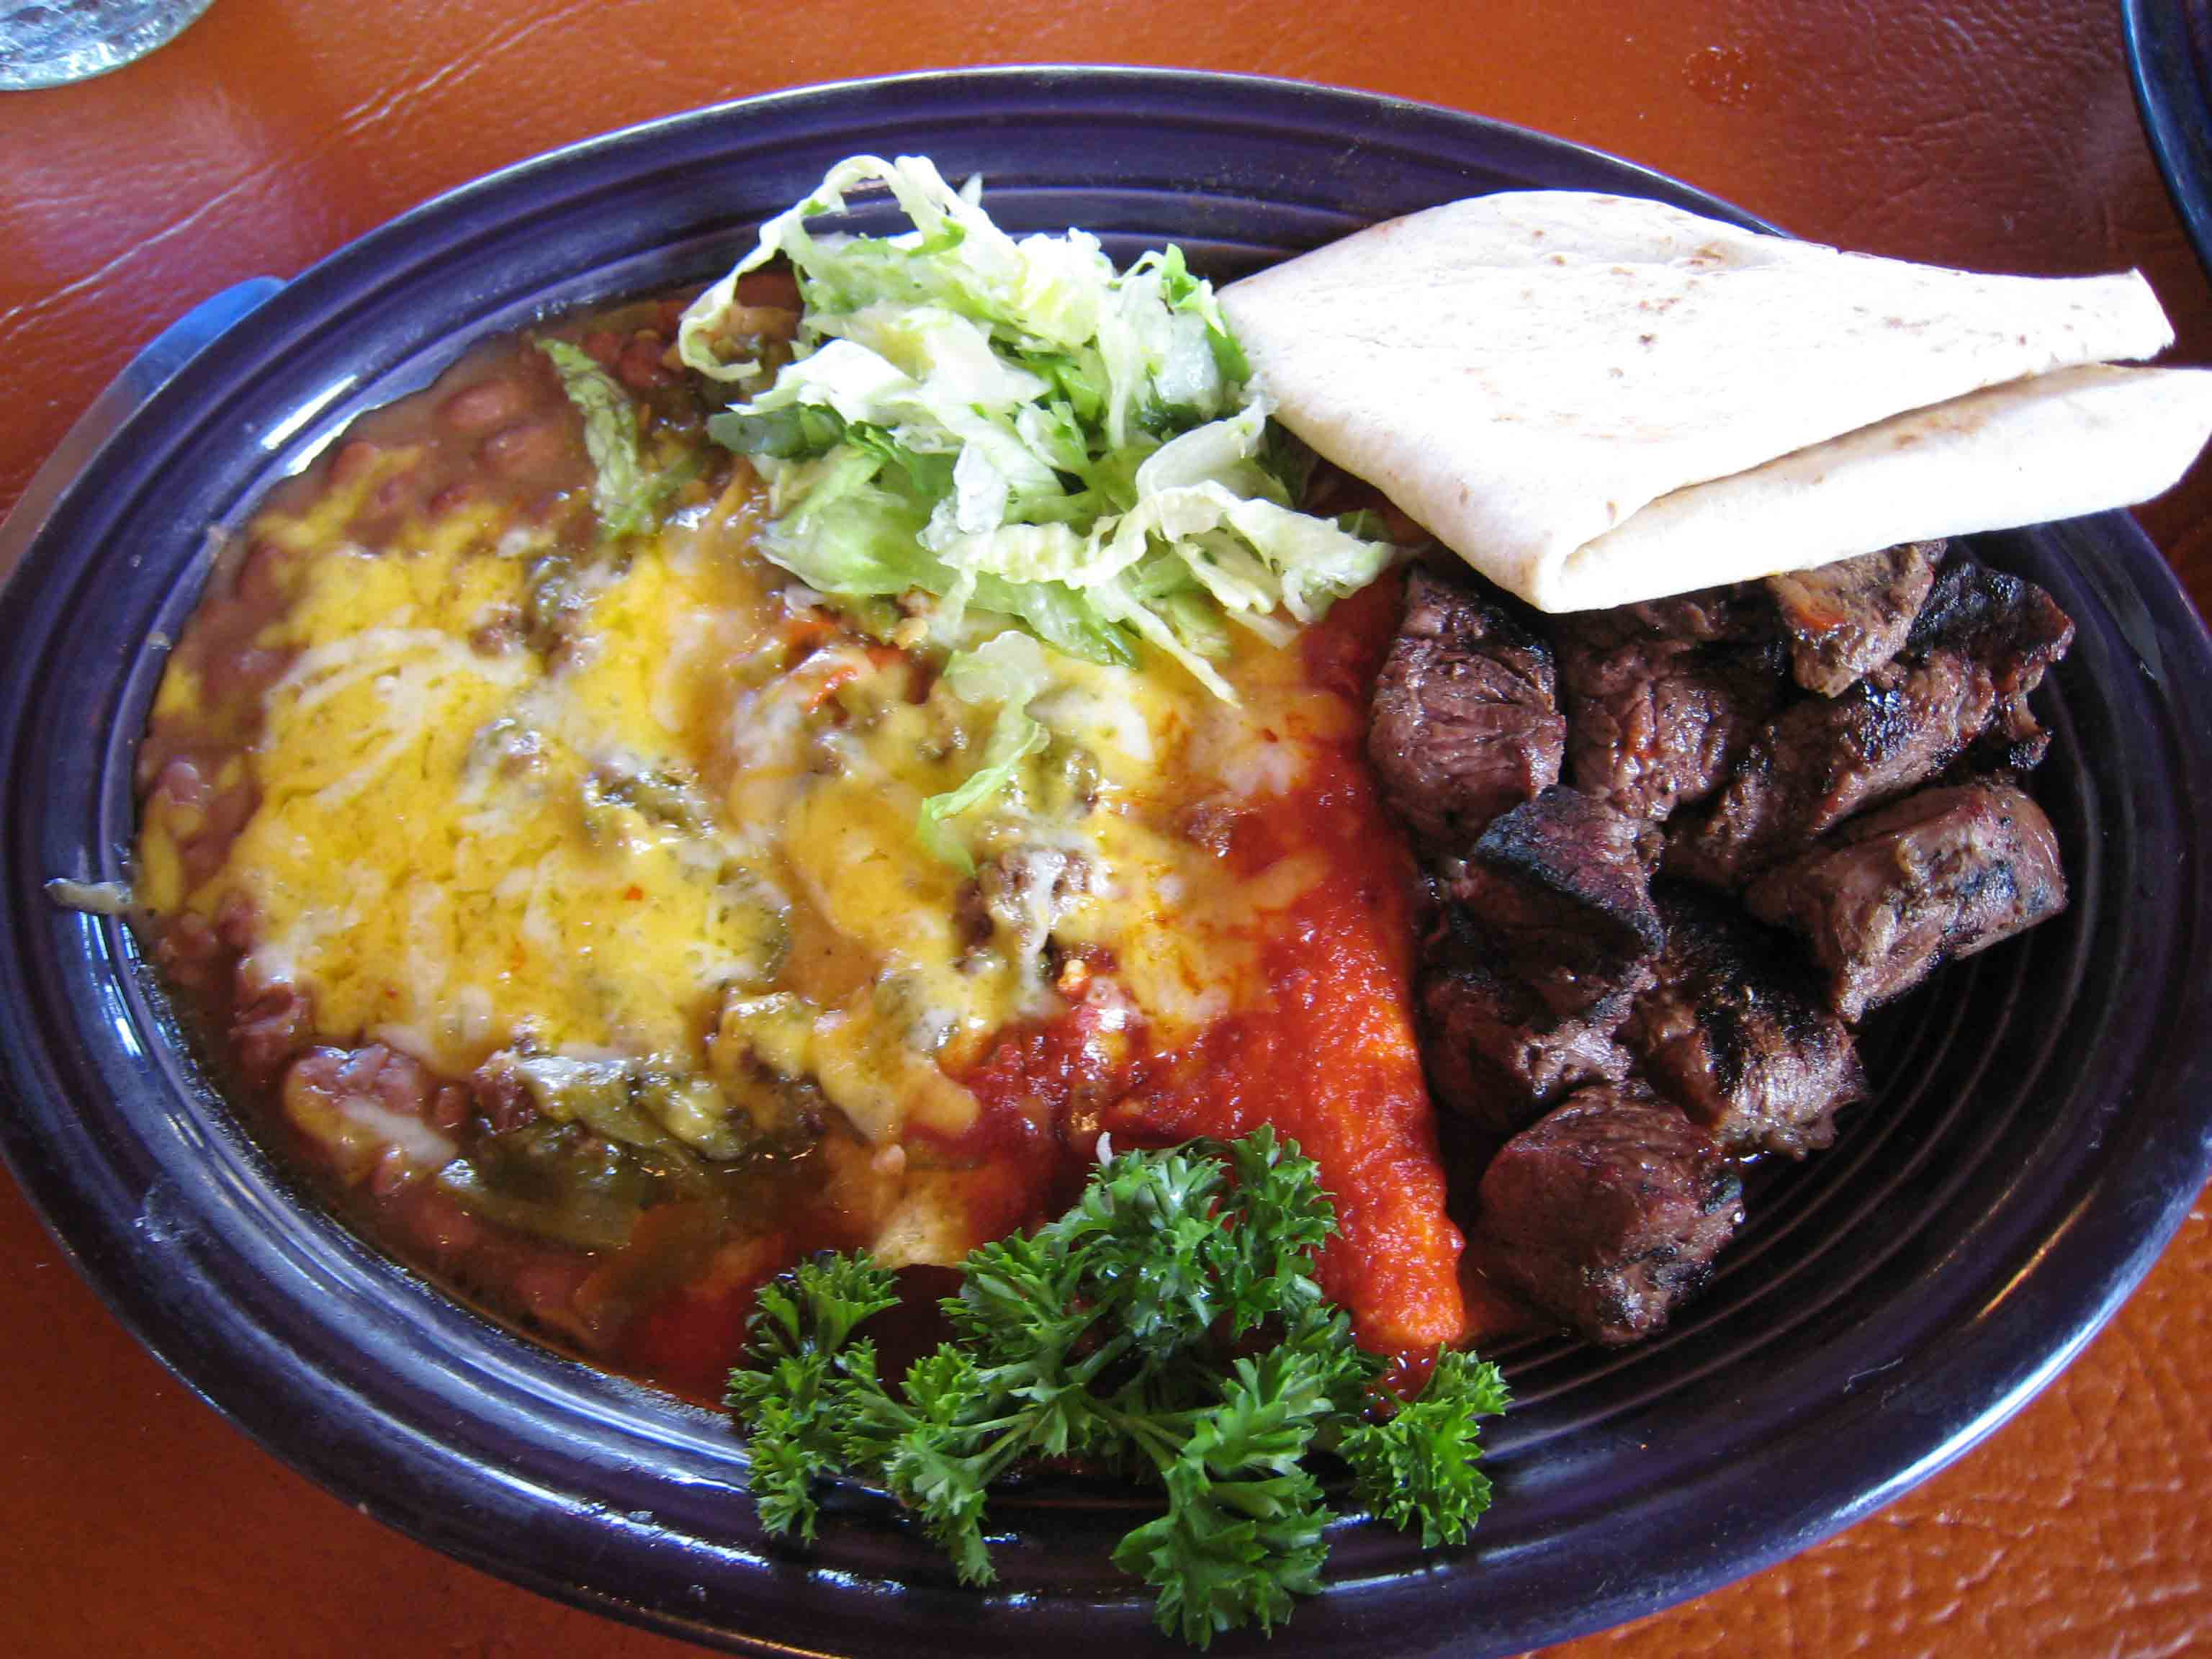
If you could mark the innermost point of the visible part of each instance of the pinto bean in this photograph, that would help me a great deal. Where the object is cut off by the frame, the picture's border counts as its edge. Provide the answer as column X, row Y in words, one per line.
column 452, row 498
column 439, row 1226
column 353, row 461
column 778, row 288
column 498, row 634
column 377, row 1073
column 640, row 368
column 325, row 1088
column 241, row 675
column 310, row 1095
column 560, row 513
column 502, row 1099
column 200, row 856
column 202, row 851
column 187, row 951
column 265, row 576
column 316, row 1070
column 385, row 1075
column 449, row 1108
column 391, row 1174
column 485, row 406
column 234, row 926
column 180, row 785
column 393, row 497
column 270, row 1024
column 534, row 446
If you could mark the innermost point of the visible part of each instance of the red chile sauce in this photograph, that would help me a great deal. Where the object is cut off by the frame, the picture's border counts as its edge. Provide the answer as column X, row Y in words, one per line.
column 1333, row 1043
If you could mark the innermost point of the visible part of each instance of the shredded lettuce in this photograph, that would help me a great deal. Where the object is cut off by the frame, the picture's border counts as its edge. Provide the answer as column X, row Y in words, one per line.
column 1013, row 425
column 1009, row 670
column 1006, row 668
column 626, row 493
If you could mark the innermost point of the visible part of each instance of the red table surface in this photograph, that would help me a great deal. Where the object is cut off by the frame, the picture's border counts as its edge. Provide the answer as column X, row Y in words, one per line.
column 1992, row 133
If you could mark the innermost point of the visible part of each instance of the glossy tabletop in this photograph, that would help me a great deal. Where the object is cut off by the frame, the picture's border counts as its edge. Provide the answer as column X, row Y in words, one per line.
column 1992, row 133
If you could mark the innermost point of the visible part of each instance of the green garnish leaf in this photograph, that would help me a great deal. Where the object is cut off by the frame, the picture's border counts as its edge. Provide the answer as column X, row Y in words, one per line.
column 808, row 1376
column 1123, row 1334
column 1418, row 1469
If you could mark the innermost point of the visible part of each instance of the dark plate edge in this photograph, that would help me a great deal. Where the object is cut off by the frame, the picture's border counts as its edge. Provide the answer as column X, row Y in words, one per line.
column 2171, row 97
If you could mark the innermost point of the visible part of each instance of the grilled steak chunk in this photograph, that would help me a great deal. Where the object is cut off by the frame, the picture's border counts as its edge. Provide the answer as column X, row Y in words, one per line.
column 1847, row 617
column 1941, row 874
column 1466, row 715
column 1499, row 1057
column 1822, row 759
column 1739, row 614
column 2018, row 631
column 1609, row 1212
column 2011, row 626
column 1654, row 723
column 1980, row 644
column 2015, row 740
column 1736, row 1031
column 1561, row 886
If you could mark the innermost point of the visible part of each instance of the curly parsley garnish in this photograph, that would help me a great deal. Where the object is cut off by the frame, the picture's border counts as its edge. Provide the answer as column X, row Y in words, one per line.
column 1168, row 1328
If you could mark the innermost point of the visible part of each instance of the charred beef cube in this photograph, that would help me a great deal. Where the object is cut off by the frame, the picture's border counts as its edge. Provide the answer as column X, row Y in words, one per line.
column 2011, row 628
column 1979, row 645
column 1466, row 714
column 1562, row 888
column 1739, row 614
column 1941, row 874
column 1821, row 759
column 1736, row 1031
column 2017, row 631
column 1656, row 723
column 2015, row 740
column 1849, row 617
column 2014, row 631
column 1498, row 1057
column 1609, row 1211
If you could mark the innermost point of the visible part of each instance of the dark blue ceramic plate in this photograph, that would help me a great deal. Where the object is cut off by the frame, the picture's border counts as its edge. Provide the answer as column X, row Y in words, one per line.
column 2170, row 62
column 2042, row 1130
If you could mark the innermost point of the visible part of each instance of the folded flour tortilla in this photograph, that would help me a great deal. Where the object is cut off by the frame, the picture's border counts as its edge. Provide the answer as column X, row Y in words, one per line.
column 1597, row 399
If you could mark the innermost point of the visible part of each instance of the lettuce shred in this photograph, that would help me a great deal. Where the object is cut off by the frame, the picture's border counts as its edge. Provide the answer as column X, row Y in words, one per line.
column 627, row 493
column 1007, row 670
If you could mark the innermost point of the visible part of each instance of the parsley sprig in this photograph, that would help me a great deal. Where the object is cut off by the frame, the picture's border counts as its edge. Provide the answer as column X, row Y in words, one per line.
column 1169, row 1328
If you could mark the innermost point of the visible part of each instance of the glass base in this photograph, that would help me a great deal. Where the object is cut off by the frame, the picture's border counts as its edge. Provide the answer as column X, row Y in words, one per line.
column 46, row 42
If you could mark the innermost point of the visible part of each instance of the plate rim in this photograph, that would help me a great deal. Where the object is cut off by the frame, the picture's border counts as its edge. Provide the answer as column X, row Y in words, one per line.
column 2175, row 106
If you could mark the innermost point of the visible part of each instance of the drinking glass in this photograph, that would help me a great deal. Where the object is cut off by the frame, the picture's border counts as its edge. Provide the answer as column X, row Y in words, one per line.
column 43, row 43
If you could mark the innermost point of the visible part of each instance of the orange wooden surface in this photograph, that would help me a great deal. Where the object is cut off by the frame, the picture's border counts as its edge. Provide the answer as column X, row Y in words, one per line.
column 1997, row 133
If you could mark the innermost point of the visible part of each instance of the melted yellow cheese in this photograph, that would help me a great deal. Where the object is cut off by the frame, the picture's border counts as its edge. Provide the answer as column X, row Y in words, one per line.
column 688, row 834
column 426, row 857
